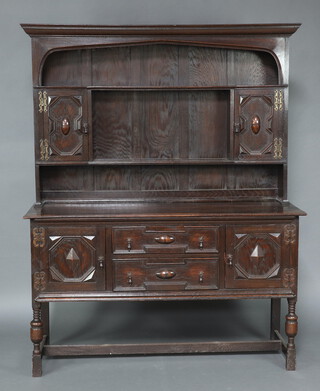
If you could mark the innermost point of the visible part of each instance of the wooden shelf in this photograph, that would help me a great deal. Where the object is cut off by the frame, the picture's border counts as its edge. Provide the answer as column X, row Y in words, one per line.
column 161, row 88
column 164, row 162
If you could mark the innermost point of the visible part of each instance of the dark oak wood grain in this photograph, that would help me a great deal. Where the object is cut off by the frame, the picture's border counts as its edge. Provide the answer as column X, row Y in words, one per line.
column 161, row 66
column 112, row 124
column 161, row 174
column 163, row 348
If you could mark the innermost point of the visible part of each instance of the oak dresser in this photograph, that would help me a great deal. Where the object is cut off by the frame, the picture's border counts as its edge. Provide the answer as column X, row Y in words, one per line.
column 161, row 174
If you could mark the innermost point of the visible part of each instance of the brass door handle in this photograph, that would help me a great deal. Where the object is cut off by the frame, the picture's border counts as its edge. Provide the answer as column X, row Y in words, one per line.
column 165, row 239
column 166, row 274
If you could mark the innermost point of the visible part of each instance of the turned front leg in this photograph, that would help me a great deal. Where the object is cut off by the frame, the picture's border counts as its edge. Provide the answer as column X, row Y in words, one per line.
column 291, row 331
column 36, row 335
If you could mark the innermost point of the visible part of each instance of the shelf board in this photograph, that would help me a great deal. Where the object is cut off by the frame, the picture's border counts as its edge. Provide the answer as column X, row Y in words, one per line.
column 163, row 88
column 162, row 162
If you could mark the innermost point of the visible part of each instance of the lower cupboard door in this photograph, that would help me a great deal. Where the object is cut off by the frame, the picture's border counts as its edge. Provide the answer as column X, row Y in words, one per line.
column 72, row 258
column 256, row 256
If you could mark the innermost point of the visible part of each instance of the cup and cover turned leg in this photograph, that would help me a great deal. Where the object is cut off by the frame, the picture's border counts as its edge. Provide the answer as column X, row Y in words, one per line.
column 36, row 336
column 291, row 328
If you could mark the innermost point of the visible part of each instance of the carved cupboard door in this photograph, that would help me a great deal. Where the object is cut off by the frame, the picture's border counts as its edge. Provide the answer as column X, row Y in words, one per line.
column 72, row 258
column 256, row 256
column 65, row 125
column 259, row 120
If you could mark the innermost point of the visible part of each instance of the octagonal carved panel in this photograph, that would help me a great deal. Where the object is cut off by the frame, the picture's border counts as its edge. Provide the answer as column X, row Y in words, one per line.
column 257, row 256
column 256, row 136
column 65, row 117
column 72, row 259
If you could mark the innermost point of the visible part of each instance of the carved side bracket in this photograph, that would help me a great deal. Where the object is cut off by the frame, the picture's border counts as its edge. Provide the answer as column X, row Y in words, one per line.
column 289, row 277
column 290, row 231
column 39, row 281
column 38, row 237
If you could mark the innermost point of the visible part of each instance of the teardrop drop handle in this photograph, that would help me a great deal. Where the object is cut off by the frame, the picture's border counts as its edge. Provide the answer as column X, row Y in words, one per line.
column 129, row 245
column 201, row 243
column 229, row 259
column 101, row 262
column 85, row 128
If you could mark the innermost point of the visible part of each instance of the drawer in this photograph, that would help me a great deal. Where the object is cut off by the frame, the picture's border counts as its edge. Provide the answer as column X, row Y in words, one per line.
column 176, row 274
column 167, row 239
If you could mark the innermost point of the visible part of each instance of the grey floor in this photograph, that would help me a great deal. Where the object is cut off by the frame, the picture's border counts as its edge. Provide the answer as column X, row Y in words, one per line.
column 123, row 322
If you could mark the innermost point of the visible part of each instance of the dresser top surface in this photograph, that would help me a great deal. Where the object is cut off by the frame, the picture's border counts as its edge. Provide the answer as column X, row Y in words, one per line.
column 147, row 210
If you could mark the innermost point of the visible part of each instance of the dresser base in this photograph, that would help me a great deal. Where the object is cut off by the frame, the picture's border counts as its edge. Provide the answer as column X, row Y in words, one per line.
column 276, row 343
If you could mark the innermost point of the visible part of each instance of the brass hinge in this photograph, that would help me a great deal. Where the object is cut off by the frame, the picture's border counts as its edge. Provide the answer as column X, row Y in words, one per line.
column 43, row 101
column 290, row 233
column 278, row 100
column 44, row 149
column 277, row 148
column 38, row 237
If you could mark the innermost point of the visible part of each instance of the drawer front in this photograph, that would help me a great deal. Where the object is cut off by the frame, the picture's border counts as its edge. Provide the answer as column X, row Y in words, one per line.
column 71, row 258
column 183, row 239
column 177, row 274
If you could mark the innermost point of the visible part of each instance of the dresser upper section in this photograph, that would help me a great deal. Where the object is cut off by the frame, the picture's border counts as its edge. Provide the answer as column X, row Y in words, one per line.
column 161, row 112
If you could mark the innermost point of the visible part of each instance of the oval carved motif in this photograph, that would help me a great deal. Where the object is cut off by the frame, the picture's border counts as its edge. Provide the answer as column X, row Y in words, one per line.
column 65, row 127
column 255, row 124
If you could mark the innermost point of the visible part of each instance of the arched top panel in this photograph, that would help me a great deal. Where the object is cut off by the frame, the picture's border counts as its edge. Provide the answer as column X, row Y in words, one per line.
column 160, row 65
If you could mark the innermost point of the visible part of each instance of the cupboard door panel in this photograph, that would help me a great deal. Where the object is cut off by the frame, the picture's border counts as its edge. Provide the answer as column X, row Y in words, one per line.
column 73, row 258
column 65, row 126
column 256, row 256
column 259, row 121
